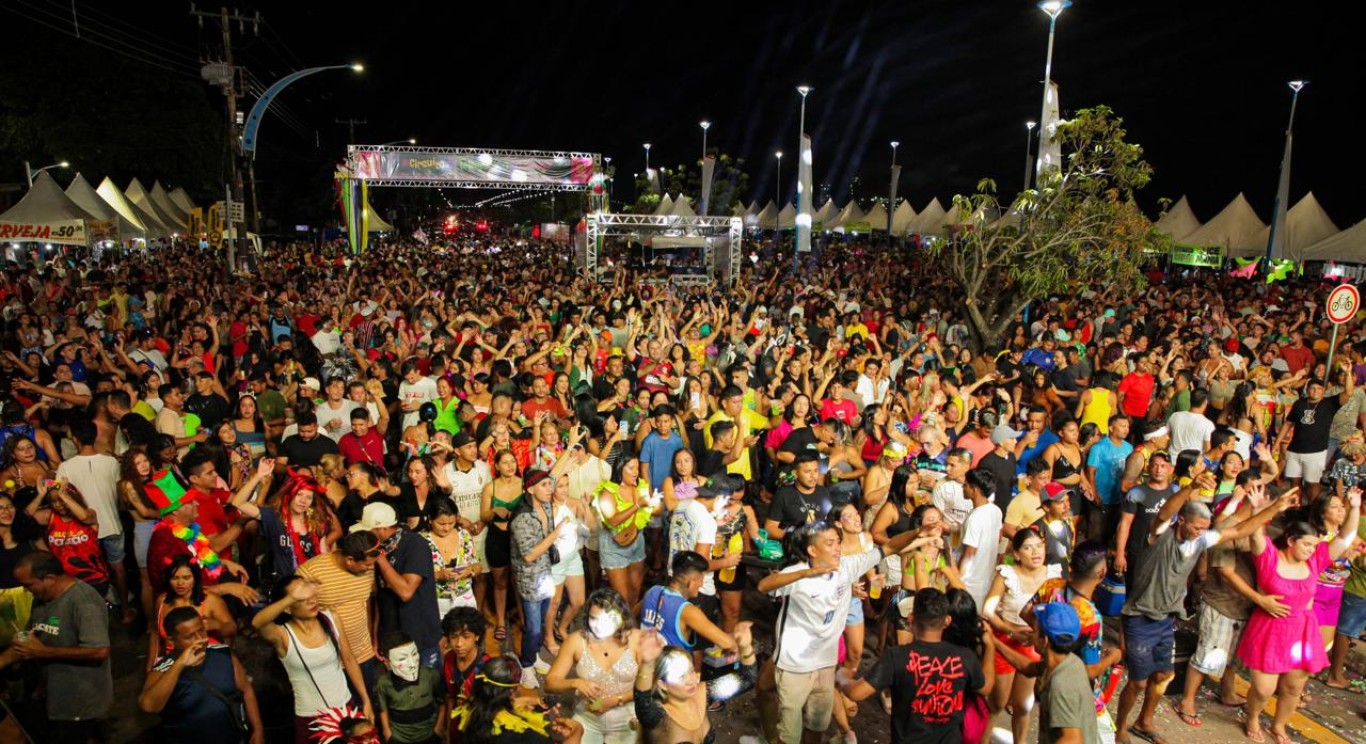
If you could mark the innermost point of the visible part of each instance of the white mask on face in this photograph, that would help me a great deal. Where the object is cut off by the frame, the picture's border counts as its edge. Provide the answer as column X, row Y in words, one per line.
column 605, row 624
column 404, row 661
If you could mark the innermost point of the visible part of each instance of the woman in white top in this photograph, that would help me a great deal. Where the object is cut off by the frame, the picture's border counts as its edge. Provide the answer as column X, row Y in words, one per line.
column 568, row 573
column 1012, row 589
column 318, row 663
column 602, row 656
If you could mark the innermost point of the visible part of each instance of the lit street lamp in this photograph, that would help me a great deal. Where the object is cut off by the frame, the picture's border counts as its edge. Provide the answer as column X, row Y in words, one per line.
column 1053, row 8
column 778, row 197
column 1029, row 138
column 891, row 195
column 409, row 141
column 705, row 126
column 1275, row 244
column 32, row 173
column 647, row 159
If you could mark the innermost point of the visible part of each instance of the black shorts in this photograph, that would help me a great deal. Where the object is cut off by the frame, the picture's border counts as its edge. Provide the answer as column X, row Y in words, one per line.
column 498, row 548
column 709, row 605
column 736, row 584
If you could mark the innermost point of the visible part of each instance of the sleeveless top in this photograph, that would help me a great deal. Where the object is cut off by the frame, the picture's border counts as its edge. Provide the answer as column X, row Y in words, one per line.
column 619, row 679
column 166, row 645
column 1100, row 408
column 316, row 674
column 662, row 610
column 1015, row 597
column 1063, row 467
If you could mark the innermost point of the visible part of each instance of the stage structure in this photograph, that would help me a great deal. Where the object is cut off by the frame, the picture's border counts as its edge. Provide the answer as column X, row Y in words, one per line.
column 718, row 238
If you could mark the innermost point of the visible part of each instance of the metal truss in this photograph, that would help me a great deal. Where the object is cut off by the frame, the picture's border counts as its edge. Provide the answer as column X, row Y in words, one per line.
column 603, row 225
column 434, row 183
column 353, row 150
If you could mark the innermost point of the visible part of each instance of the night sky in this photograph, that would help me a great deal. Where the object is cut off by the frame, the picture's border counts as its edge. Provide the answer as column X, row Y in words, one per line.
column 1201, row 85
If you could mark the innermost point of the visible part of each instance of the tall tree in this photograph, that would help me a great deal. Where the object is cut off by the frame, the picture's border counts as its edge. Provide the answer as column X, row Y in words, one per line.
column 1079, row 228
column 729, row 181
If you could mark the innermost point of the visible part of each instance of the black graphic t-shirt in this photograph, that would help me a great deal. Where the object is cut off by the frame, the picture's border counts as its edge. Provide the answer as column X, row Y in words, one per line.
column 930, row 685
column 1311, row 422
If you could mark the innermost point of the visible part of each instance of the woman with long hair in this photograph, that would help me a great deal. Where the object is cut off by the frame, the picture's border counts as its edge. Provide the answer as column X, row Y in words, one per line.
column 16, row 540
column 568, row 573
column 185, row 588
column 601, row 652
column 419, row 493
column 854, row 541
column 872, row 435
column 447, row 406
column 236, row 454
column 1329, row 515
column 500, row 497
column 1282, row 652
column 624, row 507
column 136, row 473
column 20, row 462
column 73, row 531
column 670, row 698
column 248, row 425
column 968, row 630
column 331, row 476
column 300, row 528
column 682, row 481
column 455, row 556
column 321, row 668
column 495, row 712
column 1013, row 587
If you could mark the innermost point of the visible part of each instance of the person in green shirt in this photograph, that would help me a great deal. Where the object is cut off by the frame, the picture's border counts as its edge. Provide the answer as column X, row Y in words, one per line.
column 271, row 405
column 409, row 698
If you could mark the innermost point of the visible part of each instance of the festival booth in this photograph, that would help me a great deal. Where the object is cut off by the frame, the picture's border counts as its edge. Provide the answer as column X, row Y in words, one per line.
column 47, row 215
column 154, row 229
column 1306, row 224
column 902, row 219
column 138, row 195
column 665, row 207
column 930, row 221
column 827, row 211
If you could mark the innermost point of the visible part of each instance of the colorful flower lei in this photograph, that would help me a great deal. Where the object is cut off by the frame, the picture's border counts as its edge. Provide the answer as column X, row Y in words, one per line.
column 208, row 561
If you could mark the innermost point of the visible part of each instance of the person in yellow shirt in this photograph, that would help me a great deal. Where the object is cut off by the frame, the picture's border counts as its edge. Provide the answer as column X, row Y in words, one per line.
column 1027, row 506
column 746, row 421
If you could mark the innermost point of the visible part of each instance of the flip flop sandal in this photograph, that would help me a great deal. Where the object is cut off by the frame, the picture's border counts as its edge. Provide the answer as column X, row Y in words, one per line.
column 500, row 633
column 1148, row 736
column 1190, row 719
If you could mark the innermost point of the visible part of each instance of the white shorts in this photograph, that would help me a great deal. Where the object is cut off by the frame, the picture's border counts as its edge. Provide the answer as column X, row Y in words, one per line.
column 1308, row 466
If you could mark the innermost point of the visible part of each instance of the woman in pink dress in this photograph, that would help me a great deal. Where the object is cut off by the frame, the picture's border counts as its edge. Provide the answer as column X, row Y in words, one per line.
column 1281, row 652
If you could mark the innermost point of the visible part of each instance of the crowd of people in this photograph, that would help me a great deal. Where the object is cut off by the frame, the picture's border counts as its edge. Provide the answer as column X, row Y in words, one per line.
column 476, row 496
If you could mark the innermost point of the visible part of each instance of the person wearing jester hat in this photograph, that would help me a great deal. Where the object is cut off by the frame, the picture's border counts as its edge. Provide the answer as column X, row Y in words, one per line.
column 178, row 533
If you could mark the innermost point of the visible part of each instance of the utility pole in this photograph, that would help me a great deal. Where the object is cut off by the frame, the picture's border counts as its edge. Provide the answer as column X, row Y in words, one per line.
column 351, row 128
column 229, row 81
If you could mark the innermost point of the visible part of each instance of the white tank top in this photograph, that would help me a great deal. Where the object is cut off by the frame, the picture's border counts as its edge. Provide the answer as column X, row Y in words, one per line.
column 327, row 688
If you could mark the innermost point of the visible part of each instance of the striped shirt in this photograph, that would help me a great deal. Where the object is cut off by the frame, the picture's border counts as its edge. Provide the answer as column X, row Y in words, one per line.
column 347, row 596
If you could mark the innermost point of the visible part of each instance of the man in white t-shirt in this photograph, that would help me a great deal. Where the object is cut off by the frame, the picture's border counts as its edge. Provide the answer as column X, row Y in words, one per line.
column 692, row 526
column 413, row 392
column 812, row 620
column 949, row 499
column 981, row 535
column 468, row 475
column 334, row 414
column 96, row 477
column 1191, row 429
column 872, row 385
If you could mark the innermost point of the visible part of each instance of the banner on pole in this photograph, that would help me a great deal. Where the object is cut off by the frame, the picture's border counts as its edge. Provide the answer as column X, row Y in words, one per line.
column 891, row 201
column 708, row 169
column 1050, row 150
column 804, row 196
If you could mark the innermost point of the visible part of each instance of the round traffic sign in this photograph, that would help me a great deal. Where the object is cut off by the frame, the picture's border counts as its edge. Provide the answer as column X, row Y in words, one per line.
column 1343, row 302
column 215, row 237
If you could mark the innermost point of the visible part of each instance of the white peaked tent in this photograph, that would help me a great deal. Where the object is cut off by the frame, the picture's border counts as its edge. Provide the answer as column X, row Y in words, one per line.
column 139, row 196
column 902, row 218
column 1235, row 228
column 1348, row 246
column 120, row 227
column 930, row 221
column 162, row 199
column 766, row 216
column 738, row 210
column 666, row 206
column 1306, row 224
column 850, row 214
column 751, row 216
column 46, row 215
column 182, row 200
column 374, row 223
column 823, row 215
column 682, row 208
column 151, row 228
column 876, row 217
column 1179, row 221
column 787, row 219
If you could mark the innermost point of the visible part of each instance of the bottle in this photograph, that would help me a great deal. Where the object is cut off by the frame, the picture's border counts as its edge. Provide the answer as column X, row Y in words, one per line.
column 734, row 545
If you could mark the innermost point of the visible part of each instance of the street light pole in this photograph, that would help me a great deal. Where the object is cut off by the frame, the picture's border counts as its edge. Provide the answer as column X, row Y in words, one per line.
column 1053, row 8
column 705, row 126
column 1275, row 244
column 409, row 141
column 32, row 173
column 1029, row 139
column 891, row 196
column 647, row 159
column 777, row 197
column 804, row 90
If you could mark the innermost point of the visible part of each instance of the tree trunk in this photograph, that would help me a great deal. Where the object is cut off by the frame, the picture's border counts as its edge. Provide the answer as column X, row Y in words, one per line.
column 987, row 325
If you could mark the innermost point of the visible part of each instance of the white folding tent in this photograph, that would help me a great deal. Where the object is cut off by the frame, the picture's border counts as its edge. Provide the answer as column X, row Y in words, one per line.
column 121, row 227
column 682, row 208
column 666, row 206
column 1179, row 221
column 1348, row 246
column 823, row 215
column 374, row 223
column 930, row 221
column 1235, row 228
column 902, row 218
column 1305, row 225
column 151, row 227
column 849, row 215
column 787, row 219
column 876, row 217
column 182, row 200
column 767, row 216
column 162, row 199
column 46, row 215
column 139, row 196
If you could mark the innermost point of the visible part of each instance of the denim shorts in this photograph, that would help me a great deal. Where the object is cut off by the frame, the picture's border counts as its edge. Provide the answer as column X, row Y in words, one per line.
column 855, row 611
column 1149, row 645
column 613, row 556
column 1352, row 616
column 112, row 547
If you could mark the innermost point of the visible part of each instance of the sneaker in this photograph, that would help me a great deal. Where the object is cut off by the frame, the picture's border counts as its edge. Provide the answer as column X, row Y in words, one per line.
column 529, row 680
column 886, row 699
column 850, row 737
column 542, row 666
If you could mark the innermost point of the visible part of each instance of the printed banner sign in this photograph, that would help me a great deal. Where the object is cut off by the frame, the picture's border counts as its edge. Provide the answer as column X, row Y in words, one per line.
column 71, row 232
column 1191, row 255
column 440, row 167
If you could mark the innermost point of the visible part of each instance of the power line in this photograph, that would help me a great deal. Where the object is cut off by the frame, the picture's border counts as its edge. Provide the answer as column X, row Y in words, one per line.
column 89, row 14
column 101, row 37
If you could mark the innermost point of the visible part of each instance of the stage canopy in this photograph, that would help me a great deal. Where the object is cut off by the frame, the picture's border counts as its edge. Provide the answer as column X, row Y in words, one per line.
column 46, row 215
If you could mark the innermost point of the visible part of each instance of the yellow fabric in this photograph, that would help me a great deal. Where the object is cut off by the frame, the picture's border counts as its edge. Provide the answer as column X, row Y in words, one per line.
column 1098, row 411
column 748, row 423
